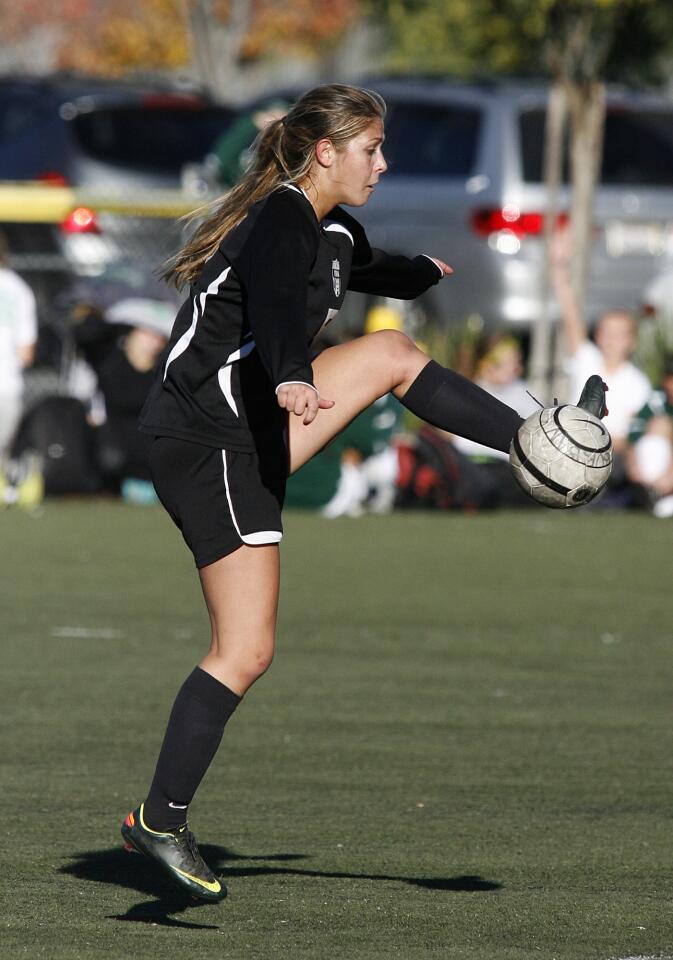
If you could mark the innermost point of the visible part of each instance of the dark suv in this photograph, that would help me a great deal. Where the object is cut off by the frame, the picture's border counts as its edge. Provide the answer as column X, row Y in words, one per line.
column 103, row 135
column 92, row 172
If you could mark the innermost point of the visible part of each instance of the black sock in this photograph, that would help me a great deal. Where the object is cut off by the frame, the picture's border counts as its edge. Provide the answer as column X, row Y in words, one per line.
column 195, row 727
column 451, row 402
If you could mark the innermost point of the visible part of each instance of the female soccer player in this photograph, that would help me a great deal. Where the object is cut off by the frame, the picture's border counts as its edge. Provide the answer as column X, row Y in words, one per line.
column 239, row 403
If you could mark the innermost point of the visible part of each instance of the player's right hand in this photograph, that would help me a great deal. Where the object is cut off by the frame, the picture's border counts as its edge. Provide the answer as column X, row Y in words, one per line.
column 302, row 400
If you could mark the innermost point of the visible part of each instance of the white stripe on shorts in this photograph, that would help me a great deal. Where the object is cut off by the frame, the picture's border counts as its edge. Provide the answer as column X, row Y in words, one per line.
column 252, row 539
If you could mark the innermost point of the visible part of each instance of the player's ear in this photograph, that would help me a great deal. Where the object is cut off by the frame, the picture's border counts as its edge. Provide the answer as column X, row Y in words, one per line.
column 324, row 152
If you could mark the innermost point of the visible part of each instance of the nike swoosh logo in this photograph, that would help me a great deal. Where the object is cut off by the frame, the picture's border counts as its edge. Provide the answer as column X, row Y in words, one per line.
column 213, row 886
column 178, row 806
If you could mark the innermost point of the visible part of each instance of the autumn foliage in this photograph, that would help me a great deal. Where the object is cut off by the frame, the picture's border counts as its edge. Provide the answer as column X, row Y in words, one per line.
column 304, row 24
column 112, row 37
column 126, row 35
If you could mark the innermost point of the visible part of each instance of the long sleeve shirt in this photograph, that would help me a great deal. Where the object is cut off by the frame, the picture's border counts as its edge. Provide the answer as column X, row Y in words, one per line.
column 250, row 319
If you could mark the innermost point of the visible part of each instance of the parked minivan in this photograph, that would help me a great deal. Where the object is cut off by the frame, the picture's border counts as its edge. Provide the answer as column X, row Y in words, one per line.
column 91, row 173
column 465, row 183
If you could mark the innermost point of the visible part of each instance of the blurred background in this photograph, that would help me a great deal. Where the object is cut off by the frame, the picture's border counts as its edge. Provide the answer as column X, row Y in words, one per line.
column 530, row 145
column 466, row 751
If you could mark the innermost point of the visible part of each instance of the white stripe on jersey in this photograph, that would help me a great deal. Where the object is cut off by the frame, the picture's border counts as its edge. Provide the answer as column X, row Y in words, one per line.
column 253, row 539
column 187, row 336
column 224, row 380
column 224, row 373
column 331, row 314
column 242, row 352
column 339, row 228
column 291, row 186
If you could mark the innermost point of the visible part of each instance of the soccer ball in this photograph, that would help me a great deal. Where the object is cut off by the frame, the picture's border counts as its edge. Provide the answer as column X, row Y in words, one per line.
column 561, row 456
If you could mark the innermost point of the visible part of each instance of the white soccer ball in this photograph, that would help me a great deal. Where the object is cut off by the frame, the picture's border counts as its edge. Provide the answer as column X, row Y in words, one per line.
column 561, row 456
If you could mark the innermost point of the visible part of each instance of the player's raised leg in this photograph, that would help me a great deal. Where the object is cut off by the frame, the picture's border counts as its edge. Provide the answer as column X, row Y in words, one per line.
column 357, row 373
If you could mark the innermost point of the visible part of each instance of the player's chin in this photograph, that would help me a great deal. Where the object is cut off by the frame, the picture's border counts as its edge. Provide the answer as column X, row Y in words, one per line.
column 362, row 197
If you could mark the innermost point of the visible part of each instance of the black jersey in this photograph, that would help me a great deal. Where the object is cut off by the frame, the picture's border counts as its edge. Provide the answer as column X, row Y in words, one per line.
column 251, row 316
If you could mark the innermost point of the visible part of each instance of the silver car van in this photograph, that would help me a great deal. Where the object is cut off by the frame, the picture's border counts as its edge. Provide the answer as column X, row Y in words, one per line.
column 465, row 183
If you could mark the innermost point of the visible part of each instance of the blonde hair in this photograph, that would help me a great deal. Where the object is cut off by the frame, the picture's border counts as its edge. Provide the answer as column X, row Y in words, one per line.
column 493, row 349
column 282, row 153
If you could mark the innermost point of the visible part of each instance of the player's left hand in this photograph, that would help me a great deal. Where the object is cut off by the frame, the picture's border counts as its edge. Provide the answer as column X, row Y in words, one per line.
column 302, row 400
column 444, row 267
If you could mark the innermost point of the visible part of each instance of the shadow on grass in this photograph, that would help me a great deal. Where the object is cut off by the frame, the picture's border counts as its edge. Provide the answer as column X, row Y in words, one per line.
column 116, row 866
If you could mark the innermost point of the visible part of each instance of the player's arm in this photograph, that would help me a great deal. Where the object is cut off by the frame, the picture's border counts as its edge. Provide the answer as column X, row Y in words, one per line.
column 26, row 342
column 274, row 267
column 393, row 275
column 572, row 324
column 26, row 354
column 383, row 274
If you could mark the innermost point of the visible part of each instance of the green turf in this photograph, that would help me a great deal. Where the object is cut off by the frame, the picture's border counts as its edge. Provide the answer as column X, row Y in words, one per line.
column 463, row 749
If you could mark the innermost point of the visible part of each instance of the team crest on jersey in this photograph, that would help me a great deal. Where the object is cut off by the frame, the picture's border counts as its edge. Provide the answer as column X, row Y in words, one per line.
column 336, row 279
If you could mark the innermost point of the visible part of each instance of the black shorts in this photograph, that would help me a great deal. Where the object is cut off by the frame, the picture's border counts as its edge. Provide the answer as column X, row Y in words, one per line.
column 220, row 499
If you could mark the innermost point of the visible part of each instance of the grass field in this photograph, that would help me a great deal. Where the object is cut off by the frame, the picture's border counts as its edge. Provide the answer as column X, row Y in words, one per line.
column 463, row 748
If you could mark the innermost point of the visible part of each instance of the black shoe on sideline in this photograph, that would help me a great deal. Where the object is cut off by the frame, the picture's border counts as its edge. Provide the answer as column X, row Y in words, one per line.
column 592, row 397
column 176, row 853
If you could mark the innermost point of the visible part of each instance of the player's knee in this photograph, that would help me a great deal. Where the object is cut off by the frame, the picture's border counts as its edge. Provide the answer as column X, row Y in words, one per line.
column 254, row 664
column 398, row 350
column 262, row 660
column 243, row 662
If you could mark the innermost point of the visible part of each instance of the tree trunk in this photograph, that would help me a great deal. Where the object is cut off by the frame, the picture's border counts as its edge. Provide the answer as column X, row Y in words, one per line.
column 587, row 114
column 587, row 117
column 541, row 355
column 580, row 36
column 216, row 46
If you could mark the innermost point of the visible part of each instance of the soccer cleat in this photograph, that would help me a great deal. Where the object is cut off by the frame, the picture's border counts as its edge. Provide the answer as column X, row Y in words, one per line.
column 592, row 397
column 176, row 853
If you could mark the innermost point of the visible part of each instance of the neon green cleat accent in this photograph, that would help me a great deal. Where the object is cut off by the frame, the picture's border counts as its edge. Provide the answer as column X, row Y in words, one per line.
column 176, row 853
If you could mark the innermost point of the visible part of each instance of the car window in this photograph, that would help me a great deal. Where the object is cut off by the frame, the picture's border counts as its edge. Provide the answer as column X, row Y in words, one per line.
column 431, row 140
column 18, row 115
column 150, row 138
column 638, row 147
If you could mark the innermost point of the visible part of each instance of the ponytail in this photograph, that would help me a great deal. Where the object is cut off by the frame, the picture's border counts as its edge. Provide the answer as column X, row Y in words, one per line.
column 282, row 153
column 217, row 218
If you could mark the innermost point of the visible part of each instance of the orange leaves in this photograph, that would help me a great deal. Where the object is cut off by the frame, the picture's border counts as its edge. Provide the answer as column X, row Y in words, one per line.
column 126, row 35
column 306, row 25
column 19, row 19
column 111, row 37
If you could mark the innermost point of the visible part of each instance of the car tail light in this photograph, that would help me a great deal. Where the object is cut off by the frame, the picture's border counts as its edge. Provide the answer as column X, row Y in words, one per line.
column 53, row 178
column 487, row 221
column 81, row 220
column 176, row 101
